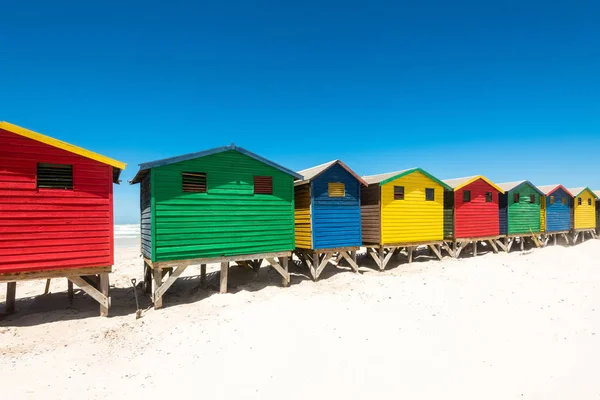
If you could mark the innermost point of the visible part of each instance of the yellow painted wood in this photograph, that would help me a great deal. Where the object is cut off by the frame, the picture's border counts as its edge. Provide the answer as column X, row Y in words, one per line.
column 413, row 219
column 302, row 218
column 542, row 213
column 61, row 145
column 336, row 189
column 585, row 214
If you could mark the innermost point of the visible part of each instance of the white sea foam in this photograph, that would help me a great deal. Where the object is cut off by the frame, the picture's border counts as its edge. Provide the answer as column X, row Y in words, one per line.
column 127, row 231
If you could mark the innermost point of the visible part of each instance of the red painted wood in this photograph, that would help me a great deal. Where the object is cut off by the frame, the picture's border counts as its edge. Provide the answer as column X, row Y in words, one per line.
column 476, row 218
column 51, row 228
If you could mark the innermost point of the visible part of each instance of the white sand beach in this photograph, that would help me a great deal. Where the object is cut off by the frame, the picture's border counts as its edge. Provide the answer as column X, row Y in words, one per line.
column 505, row 326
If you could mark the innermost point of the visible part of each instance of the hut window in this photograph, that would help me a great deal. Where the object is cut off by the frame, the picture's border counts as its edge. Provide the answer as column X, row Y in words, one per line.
column 263, row 185
column 516, row 197
column 193, row 182
column 429, row 194
column 589, row 202
column 532, row 198
column 54, row 176
column 466, row 196
column 579, row 201
column 398, row 192
column 488, row 197
column 336, row 189
column 564, row 201
column 551, row 199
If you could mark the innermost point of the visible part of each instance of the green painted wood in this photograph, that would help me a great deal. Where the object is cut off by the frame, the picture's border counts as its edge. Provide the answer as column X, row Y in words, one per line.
column 227, row 220
column 524, row 215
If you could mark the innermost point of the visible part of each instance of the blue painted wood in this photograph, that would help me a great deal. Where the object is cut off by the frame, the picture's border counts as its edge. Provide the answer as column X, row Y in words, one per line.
column 558, row 215
column 335, row 220
column 503, row 213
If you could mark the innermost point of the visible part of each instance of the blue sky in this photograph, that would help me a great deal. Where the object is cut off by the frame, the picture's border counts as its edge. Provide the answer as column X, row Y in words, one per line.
column 510, row 89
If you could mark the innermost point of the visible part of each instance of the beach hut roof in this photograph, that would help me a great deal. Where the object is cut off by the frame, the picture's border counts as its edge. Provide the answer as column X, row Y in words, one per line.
column 145, row 167
column 508, row 186
column 458, row 183
column 382, row 179
column 577, row 191
column 311, row 173
column 597, row 193
column 549, row 189
column 38, row 137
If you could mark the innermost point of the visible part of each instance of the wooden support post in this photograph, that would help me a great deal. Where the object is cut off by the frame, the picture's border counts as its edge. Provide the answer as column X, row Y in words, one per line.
column 350, row 260
column 493, row 244
column 381, row 256
column 224, row 273
column 147, row 278
column 47, row 289
column 373, row 255
column 11, row 296
column 104, row 288
column 283, row 272
column 284, row 264
column 69, row 290
column 522, row 241
column 410, row 254
column 459, row 247
column 203, row 276
column 474, row 248
column 157, row 282
column 555, row 240
column 435, row 251
column 509, row 245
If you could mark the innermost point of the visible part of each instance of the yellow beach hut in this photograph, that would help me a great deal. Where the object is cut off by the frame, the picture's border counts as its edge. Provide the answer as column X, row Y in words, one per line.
column 402, row 209
column 584, row 213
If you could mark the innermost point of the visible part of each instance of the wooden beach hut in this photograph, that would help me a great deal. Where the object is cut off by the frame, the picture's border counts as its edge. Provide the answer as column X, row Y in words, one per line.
column 584, row 213
column 327, row 216
column 597, row 193
column 555, row 212
column 56, row 213
column 471, row 213
column 221, row 205
column 402, row 210
column 520, row 213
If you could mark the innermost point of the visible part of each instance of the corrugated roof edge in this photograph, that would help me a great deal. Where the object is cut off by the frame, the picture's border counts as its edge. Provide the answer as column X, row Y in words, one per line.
column 413, row 170
column 581, row 190
column 519, row 184
column 190, row 156
column 331, row 164
column 472, row 179
column 118, row 166
column 554, row 188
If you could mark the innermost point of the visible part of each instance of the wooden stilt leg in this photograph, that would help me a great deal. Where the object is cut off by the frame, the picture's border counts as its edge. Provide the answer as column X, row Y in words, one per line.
column 69, row 290
column 381, row 255
column 474, row 248
column 555, row 240
column 157, row 282
column 11, row 295
column 147, row 279
column 284, row 264
column 104, row 286
column 410, row 254
column 224, row 273
column 203, row 275
column 522, row 244
column 47, row 289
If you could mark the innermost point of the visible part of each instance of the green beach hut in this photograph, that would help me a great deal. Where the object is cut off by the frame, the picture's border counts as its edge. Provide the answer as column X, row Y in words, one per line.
column 520, row 213
column 221, row 205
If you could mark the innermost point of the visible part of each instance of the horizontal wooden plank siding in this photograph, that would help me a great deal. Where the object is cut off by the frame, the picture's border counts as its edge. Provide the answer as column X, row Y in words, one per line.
column 336, row 220
column 302, row 218
column 52, row 228
column 523, row 215
column 585, row 214
column 146, row 217
column 370, row 214
column 412, row 219
column 227, row 220
column 543, row 214
column 477, row 218
column 558, row 215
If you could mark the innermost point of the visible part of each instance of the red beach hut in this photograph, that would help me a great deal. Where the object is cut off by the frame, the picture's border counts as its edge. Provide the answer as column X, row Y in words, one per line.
column 56, row 213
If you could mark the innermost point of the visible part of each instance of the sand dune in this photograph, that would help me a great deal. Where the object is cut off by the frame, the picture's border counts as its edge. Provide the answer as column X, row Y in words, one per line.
column 518, row 325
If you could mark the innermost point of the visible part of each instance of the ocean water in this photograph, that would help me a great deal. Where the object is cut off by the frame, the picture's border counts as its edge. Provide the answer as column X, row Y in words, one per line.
column 127, row 235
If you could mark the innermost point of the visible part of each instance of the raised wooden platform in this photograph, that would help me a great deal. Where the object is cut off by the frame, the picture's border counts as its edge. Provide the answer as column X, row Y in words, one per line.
column 577, row 233
column 316, row 259
column 382, row 253
column 164, row 273
column 535, row 237
column 93, row 280
column 459, row 244
column 554, row 236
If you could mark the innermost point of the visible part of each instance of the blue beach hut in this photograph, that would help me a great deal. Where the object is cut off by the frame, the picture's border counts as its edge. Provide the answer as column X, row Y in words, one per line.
column 556, row 211
column 327, row 216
